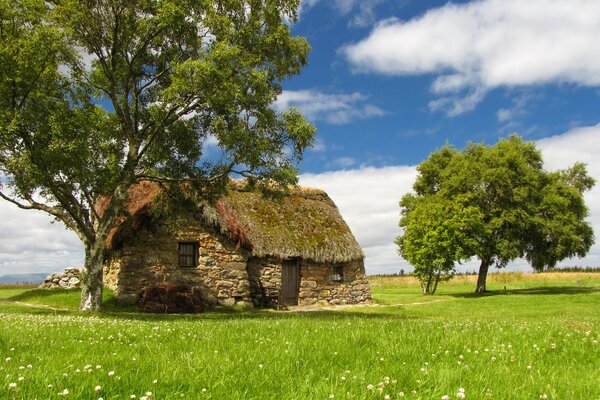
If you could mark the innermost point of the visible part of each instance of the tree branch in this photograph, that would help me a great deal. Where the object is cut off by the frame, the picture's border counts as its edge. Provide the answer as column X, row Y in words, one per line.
column 54, row 211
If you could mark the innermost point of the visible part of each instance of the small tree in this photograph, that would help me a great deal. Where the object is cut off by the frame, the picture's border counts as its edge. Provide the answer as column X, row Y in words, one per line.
column 97, row 95
column 436, row 236
column 521, row 209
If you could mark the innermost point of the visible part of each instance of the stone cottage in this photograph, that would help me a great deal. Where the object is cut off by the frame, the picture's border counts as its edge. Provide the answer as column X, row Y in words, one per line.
column 245, row 249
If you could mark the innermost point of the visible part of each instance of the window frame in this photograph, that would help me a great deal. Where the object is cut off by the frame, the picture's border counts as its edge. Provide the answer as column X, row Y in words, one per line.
column 195, row 246
column 337, row 273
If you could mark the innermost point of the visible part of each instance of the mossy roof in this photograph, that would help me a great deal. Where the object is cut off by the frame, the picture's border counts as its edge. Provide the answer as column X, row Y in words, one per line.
column 304, row 224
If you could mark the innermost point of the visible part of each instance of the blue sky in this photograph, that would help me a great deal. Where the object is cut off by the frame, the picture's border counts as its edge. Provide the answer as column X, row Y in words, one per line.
column 389, row 118
column 387, row 83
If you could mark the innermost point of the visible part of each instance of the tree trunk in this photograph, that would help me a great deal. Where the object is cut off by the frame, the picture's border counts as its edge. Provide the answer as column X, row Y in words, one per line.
column 435, row 285
column 482, row 278
column 91, row 288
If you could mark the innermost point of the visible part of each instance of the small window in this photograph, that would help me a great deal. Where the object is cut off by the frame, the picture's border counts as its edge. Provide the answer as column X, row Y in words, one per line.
column 188, row 254
column 338, row 273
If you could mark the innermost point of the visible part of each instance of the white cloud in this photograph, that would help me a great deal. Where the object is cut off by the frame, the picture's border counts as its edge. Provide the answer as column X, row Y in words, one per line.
column 504, row 114
column 319, row 146
column 337, row 109
column 31, row 242
column 561, row 151
column 482, row 45
column 368, row 199
column 343, row 162
column 363, row 10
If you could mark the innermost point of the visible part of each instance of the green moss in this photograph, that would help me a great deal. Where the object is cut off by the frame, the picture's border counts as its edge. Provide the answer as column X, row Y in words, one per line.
column 296, row 224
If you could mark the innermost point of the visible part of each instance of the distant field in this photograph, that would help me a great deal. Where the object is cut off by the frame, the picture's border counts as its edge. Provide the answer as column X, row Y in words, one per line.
column 536, row 337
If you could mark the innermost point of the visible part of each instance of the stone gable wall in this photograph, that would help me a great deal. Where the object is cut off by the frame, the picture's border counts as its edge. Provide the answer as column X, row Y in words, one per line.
column 151, row 258
column 318, row 287
column 316, row 284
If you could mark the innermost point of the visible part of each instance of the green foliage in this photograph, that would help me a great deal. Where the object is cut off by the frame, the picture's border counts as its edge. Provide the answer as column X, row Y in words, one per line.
column 503, row 201
column 98, row 95
column 437, row 233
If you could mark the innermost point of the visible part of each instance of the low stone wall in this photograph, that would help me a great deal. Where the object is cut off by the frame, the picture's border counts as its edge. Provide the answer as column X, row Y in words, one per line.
column 317, row 286
column 69, row 279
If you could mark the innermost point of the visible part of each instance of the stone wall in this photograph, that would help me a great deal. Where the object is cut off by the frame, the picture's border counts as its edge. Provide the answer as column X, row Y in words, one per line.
column 150, row 258
column 69, row 279
column 316, row 282
column 318, row 287
column 225, row 274
column 265, row 280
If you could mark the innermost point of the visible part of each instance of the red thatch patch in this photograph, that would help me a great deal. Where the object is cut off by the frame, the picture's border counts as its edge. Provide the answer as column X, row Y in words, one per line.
column 234, row 230
column 140, row 198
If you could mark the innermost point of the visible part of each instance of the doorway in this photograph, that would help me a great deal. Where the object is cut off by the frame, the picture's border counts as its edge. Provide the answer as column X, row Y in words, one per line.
column 290, row 282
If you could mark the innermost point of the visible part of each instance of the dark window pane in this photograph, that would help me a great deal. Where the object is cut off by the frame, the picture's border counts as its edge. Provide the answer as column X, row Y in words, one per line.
column 188, row 254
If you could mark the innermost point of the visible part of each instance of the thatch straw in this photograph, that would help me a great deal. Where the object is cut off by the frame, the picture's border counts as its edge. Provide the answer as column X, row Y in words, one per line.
column 305, row 224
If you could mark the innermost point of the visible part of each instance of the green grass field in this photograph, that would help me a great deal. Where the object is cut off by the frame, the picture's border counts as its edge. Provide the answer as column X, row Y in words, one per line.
column 534, row 336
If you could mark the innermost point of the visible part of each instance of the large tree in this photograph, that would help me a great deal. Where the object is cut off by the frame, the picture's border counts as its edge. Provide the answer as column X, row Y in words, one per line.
column 97, row 95
column 522, row 210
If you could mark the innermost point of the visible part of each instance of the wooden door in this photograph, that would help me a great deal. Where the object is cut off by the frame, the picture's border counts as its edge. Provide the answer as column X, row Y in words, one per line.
column 290, row 282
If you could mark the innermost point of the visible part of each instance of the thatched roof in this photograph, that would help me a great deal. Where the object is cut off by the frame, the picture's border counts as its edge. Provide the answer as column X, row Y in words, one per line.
column 305, row 224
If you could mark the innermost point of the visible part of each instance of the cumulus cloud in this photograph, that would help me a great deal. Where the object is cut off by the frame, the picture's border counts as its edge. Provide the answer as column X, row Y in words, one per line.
column 368, row 199
column 337, row 109
column 363, row 11
column 561, row 151
column 482, row 45
column 342, row 162
column 31, row 242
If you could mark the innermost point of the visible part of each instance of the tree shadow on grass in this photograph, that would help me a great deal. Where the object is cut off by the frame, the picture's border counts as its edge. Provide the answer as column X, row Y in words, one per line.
column 42, row 293
column 542, row 290
column 57, row 301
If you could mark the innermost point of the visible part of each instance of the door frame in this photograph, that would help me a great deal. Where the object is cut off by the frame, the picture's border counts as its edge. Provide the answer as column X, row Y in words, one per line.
column 287, row 266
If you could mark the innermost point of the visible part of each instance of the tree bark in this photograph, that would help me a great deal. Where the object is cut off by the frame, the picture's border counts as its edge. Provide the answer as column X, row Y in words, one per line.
column 435, row 285
column 482, row 278
column 91, row 288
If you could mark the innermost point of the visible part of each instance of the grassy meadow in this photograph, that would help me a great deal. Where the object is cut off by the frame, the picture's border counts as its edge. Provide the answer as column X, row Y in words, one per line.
column 534, row 336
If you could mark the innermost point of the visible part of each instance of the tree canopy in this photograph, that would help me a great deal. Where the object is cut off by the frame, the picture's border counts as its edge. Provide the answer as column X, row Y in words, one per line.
column 500, row 204
column 96, row 95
